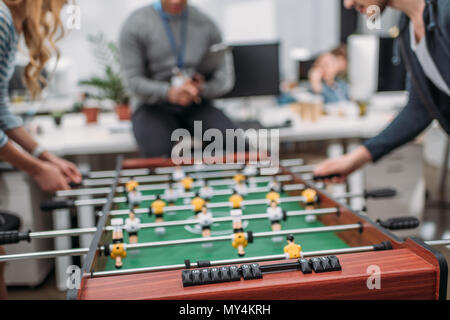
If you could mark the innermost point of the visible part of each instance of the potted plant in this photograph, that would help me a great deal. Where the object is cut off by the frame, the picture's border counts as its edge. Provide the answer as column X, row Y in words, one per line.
column 109, row 85
column 91, row 110
column 57, row 117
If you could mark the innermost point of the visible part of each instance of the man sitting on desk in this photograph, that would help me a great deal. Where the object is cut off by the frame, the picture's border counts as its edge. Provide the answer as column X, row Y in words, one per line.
column 163, row 48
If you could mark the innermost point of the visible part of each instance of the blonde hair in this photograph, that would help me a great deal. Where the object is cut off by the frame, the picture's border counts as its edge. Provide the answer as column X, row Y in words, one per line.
column 41, row 28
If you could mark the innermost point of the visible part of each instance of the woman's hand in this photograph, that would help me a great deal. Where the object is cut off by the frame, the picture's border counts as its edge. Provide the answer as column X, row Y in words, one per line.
column 50, row 178
column 67, row 168
column 344, row 165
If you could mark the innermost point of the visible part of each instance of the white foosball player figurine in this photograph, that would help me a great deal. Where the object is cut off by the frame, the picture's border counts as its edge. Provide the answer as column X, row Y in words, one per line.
column 250, row 170
column 171, row 195
column 275, row 215
column 236, row 214
column 178, row 174
column 117, row 234
column 134, row 196
column 241, row 189
column 134, row 199
column 205, row 220
column 275, row 185
column 132, row 227
column 206, row 192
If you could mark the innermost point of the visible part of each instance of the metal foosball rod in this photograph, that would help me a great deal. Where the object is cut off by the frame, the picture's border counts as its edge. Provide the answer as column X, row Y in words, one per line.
column 164, row 174
column 11, row 237
column 380, row 194
column 53, row 205
column 82, row 251
column 276, row 257
column 376, row 247
column 375, row 194
column 162, row 186
column 186, row 169
column 100, row 201
column 210, row 205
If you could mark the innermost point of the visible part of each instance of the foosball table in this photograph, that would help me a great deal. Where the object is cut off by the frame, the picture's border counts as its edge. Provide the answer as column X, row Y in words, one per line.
column 227, row 231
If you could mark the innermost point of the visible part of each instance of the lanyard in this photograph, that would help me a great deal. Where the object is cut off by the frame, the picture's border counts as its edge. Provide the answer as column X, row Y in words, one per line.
column 178, row 52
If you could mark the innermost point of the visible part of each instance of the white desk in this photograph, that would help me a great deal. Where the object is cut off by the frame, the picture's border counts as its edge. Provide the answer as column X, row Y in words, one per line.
column 75, row 137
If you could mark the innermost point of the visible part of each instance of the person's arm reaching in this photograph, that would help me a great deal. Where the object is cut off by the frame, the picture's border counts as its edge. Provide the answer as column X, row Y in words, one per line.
column 26, row 141
column 411, row 121
column 45, row 174
column 222, row 80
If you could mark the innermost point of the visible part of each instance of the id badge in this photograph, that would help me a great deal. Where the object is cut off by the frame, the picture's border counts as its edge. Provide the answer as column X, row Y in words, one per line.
column 179, row 78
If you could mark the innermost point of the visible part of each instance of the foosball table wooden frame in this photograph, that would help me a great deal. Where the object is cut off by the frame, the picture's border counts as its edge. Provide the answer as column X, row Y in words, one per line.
column 409, row 270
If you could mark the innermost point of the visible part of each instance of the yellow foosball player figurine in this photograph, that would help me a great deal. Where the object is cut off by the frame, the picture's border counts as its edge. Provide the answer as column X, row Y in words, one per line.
column 118, row 252
column 311, row 198
column 311, row 201
column 236, row 200
column 187, row 183
column 239, row 178
column 240, row 241
column 198, row 203
column 292, row 250
column 118, row 248
column 273, row 196
column 131, row 185
column 157, row 208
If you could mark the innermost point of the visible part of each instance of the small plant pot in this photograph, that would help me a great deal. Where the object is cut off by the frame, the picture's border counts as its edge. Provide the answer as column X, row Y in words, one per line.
column 91, row 114
column 123, row 111
column 57, row 120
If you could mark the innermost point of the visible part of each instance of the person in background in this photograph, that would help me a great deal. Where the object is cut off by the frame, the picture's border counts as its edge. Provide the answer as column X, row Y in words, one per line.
column 425, row 47
column 163, row 47
column 39, row 24
column 26, row 17
column 327, row 68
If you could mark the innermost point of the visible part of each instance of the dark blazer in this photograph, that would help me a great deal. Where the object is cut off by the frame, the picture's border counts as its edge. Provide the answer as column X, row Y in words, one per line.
column 426, row 101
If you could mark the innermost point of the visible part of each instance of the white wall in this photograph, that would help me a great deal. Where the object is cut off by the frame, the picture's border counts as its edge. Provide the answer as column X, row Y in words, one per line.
column 313, row 24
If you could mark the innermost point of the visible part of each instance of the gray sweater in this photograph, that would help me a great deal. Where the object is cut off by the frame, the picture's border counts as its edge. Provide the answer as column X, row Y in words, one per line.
column 147, row 59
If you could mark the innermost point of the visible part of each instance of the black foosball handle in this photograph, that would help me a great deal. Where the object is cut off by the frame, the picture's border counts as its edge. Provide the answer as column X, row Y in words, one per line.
column 55, row 205
column 74, row 185
column 12, row 237
column 380, row 193
column 401, row 223
column 327, row 177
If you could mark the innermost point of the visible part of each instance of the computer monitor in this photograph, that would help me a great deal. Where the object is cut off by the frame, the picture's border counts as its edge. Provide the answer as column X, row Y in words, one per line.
column 257, row 70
